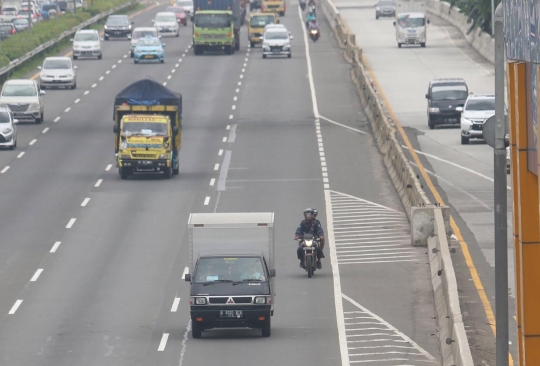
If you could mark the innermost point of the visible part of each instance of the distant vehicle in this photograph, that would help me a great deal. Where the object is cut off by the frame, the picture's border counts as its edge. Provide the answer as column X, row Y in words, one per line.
column 274, row 6
column 9, row 13
column 62, row 5
column 186, row 4
column 7, row 30
column 8, row 130
column 478, row 108
column 140, row 32
column 149, row 49
column 444, row 97
column 411, row 22
column 57, row 72
column 86, row 43
column 254, row 4
column 23, row 13
column 181, row 15
column 385, row 8
column 276, row 42
column 45, row 7
column 24, row 99
column 21, row 24
column 256, row 24
column 166, row 24
column 117, row 26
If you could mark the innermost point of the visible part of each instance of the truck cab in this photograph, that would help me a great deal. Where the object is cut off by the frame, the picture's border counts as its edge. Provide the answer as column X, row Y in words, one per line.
column 231, row 271
column 257, row 22
column 274, row 6
column 411, row 28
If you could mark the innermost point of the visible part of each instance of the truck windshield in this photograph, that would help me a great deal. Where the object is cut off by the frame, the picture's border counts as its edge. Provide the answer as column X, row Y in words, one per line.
column 261, row 21
column 229, row 269
column 406, row 22
column 480, row 105
column 450, row 92
column 212, row 21
column 144, row 129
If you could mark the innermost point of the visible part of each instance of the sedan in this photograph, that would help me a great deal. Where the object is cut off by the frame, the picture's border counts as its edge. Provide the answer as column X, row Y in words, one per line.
column 57, row 72
column 8, row 130
column 7, row 30
column 21, row 24
column 149, row 49
column 181, row 16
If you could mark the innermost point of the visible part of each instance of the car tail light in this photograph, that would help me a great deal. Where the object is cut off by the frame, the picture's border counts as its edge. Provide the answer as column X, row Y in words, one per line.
column 13, row 31
column 229, row 35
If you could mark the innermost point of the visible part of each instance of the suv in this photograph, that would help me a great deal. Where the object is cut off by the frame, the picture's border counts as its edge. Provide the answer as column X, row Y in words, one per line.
column 276, row 42
column 24, row 98
column 477, row 109
column 166, row 24
column 118, row 26
column 385, row 8
column 444, row 96
column 8, row 130
column 86, row 43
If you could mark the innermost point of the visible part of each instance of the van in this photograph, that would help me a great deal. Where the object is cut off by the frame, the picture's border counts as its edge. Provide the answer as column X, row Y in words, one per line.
column 445, row 101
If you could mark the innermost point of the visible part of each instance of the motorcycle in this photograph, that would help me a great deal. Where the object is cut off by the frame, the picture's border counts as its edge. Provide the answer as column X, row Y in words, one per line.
column 309, row 245
column 314, row 34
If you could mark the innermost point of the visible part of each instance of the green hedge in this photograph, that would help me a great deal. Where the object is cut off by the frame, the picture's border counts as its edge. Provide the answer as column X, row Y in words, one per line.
column 22, row 43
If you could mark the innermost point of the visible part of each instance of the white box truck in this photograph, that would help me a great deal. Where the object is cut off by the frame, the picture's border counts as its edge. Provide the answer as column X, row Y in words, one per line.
column 411, row 22
column 231, row 271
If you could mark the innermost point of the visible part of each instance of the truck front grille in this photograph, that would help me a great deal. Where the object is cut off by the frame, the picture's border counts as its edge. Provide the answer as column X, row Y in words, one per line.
column 144, row 156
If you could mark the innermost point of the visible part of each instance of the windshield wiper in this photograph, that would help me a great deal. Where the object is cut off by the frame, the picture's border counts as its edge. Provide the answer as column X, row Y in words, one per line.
column 212, row 282
column 247, row 280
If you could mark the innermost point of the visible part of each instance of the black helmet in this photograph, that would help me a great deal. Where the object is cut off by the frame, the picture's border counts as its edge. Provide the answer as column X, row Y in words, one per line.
column 309, row 211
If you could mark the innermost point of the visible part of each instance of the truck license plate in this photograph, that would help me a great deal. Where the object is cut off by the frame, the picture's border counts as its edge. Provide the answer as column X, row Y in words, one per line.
column 231, row 314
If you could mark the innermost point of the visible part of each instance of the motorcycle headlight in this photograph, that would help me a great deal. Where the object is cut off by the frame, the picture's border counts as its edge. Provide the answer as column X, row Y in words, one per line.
column 260, row 300
column 200, row 301
column 434, row 110
column 164, row 156
column 309, row 243
column 7, row 130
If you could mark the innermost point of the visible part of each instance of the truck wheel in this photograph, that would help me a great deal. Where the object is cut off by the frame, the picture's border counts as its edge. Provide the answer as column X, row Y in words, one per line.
column 266, row 329
column 196, row 50
column 252, row 44
column 176, row 171
column 423, row 44
column 237, row 46
column 167, row 173
column 123, row 172
column 309, row 266
column 228, row 50
column 196, row 330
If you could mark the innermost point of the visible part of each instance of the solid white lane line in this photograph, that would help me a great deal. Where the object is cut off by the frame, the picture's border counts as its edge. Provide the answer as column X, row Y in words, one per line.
column 20, row 155
column 232, row 134
column 169, row 77
column 233, row 107
column 342, row 125
column 5, row 169
column 85, row 202
column 56, row 119
column 45, row 130
column 55, row 246
column 15, row 307
column 108, row 72
column 36, row 275
column 101, row 78
column 86, row 92
column 216, row 167
column 67, row 109
column 70, row 223
column 231, row 116
column 108, row 167
column 98, row 183
column 175, row 304
column 163, row 342
column 186, row 271
column 224, row 139
column 212, row 182
column 206, row 201
column 220, row 151
column 94, row 85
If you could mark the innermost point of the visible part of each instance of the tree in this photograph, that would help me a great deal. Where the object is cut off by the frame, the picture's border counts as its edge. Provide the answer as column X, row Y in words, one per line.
column 478, row 12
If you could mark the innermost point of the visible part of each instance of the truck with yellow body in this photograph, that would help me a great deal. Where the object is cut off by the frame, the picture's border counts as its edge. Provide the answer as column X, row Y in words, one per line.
column 148, row 123
column 274, row 6
column 256, row 24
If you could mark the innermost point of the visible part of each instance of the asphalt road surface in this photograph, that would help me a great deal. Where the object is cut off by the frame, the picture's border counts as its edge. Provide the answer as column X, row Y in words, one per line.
column 91, row 265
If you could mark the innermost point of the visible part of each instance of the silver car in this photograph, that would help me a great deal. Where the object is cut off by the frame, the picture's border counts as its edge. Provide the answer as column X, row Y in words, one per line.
column 8, row 130
column 166, row 24
column 478, row 108
column 139, row 33
column 86, row 43
column 57, row 72
column 276, row 42
column 24, row 99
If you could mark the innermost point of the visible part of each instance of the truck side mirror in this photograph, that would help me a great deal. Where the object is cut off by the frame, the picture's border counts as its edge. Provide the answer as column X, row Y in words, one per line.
column 175, row 130
column 272, row 273
column 187, row 277
column 115, row 128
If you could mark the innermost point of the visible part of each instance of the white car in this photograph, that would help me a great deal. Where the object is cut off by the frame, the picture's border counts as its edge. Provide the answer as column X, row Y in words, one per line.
column 8, row 130
column 57, row 72
column 87, row 43
column 166, row 24
column 276, row 42
column 24, row 99
column 187, row 5
column 140, row 32
column 477, row 109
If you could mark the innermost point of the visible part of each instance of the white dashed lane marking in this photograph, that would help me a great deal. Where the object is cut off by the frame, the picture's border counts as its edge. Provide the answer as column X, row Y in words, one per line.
column 70, row 223
column 98, row 183
column 5, row 169
column 36, row 275
column 21, row 154
column 15, row 307
column 55, row 246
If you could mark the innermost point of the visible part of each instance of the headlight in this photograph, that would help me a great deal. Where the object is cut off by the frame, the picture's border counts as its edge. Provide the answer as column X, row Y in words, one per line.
column 260, row 300
column 69, row 75
column 106, row 27
column 7, row 130
column 434, row 110
column 467, row 122
column 200, row 301
column 377, row 8
column 33, row 106
column 125, row 156
column 287, row 45
column 129, row 27
column 308, row 243
column 164, row 156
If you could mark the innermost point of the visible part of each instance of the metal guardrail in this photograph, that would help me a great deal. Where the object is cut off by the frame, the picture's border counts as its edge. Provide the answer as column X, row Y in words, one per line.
column 19, row 61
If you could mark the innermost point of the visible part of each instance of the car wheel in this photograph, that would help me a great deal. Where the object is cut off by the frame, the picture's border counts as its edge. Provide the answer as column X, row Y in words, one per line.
column 423, row 44
column 106, row 38
column 12, row 147
column 464, row 140
column 178, row 34
column 266, row 329
column 162, row 60
column 252, row 44
column 377, row 16
column 431, row 124
column 289, row 55
column 135, row 61
column 196, row 330
column 131, row 54
column 100, row 56
column 75, row 57
column 264, row 56
column 399, row 45
column 74, row 86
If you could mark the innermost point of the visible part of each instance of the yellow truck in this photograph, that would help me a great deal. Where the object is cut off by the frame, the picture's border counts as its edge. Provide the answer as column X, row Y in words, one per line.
column 256, row 24
column 274, row 6
column 148, row 129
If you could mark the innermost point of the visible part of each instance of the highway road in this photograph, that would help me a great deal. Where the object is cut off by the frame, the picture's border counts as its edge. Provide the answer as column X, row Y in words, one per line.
column 462, row 174
column 91, row 265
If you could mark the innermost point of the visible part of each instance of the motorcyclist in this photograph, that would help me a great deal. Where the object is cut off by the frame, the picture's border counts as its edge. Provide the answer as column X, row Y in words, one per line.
column 309, row 17
column 310, row 226
column 311, row 3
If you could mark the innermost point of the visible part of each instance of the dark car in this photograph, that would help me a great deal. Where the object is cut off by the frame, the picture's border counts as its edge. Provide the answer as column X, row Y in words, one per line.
column 385, row 8
column 181, row 16
column 443, row 97
column 7, row 30
column 117, row 26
